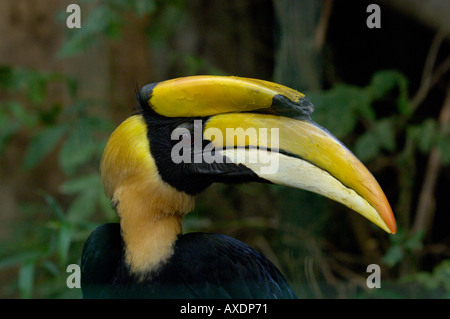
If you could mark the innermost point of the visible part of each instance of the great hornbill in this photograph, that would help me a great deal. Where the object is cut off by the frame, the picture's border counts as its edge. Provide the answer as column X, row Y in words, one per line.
column 155, row 163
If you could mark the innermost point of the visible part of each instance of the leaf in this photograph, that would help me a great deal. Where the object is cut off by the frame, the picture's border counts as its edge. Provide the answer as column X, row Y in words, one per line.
column 26, row 278
column 443, row 143
column 424, row 134
column 50, row 116
column 88, row 190
column 81, row 184
column 380, row 136
column 101, row 21
column 64, row 240
column 42, row 144
column 72, row 86
column 145, row 7
column 19, row 112
column 6, row 77
column 20, row 257
column 83, row 206
column 50, row 267
column 403, row 103
column 385, row 134
column 55, row 206
column 442, row 274
column 37, row 89
column 414, row 241
column 340, row 103
column 439, row 278
column 383, row 82
column 77, row 148
column 367, row 146
column 8, row 128
column 19, row 78
column 427, row 135
column 364, row 107
column 75, row 44
column 393, row 256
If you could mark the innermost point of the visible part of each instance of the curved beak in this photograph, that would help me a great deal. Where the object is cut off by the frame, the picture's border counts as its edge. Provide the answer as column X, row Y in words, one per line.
column 301, row 154
column 267, row 128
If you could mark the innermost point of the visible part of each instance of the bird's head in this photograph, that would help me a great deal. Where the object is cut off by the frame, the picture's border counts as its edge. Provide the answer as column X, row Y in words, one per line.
column 194, row 131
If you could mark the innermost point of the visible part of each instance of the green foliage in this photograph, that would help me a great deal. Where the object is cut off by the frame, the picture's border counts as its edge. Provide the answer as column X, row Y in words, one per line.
column 12, row 119
column 436, row 283
column 42, row 143
column 107, row 19
column 53, row 228
column 400, row 136
column 26, row 278
column 14, row 113
column 78, row 137
column 88, row 195
column 429, row 134
column 81, row 136
column 381, row 136
column 351, row 105
column 103, row 20
column 403, row 243
column 342, row 102
column 383, row 82
column 82, row 144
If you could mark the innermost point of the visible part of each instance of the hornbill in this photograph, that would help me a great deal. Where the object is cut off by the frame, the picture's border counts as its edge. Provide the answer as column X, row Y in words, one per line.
column 187, row 134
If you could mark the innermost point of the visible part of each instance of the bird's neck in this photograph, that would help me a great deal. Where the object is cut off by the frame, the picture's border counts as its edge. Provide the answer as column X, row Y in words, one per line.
column 150, row 224
column 149, row 242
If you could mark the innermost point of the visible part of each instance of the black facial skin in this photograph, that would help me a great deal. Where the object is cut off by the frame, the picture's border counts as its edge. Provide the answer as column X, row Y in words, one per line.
column 191, row 178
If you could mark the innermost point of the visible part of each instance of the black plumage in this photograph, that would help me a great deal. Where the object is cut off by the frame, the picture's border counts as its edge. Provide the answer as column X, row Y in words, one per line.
column 151, row 189
column 202, row 266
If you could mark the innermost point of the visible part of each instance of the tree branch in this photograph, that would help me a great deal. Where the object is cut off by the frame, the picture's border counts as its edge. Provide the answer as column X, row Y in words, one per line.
column 429, row 79
column 425, row 207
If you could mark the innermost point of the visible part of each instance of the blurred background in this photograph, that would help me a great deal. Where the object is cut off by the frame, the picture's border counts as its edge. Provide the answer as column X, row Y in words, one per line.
column 383, row 91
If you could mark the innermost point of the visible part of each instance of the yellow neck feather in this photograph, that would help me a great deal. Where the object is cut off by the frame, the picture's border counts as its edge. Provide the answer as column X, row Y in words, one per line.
column 150, row 210
column 149, row 234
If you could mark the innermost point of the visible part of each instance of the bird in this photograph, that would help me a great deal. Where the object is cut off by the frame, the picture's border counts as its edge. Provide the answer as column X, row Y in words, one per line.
column 188, row 133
